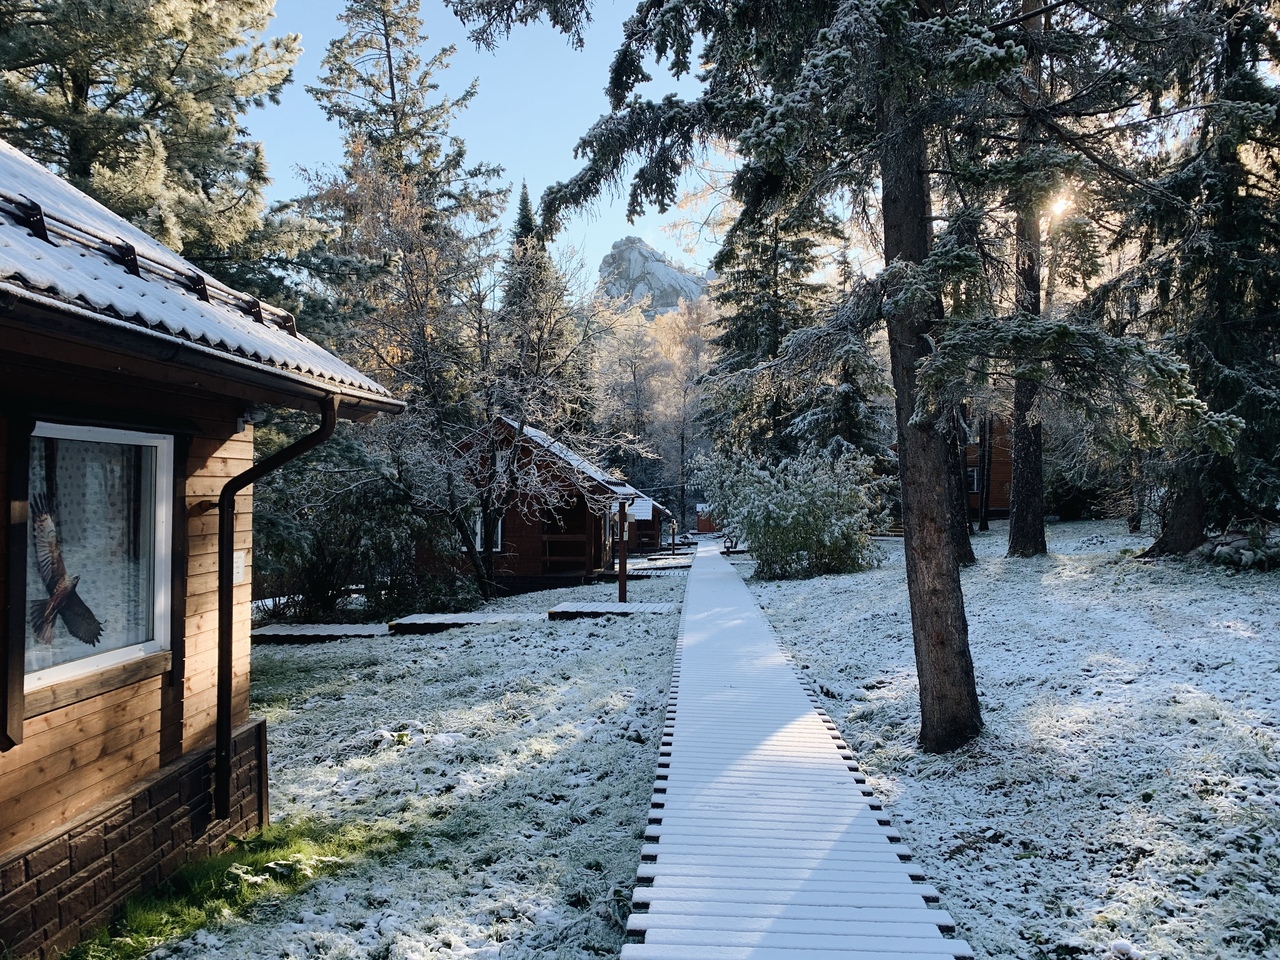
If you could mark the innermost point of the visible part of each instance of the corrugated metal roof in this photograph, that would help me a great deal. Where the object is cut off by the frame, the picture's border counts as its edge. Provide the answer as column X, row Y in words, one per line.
column 620, row 488
column 96, row 262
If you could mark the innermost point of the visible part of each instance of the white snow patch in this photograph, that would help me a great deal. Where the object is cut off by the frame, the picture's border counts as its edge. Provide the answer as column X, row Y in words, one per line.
column 1124, row 798
column 519, row 757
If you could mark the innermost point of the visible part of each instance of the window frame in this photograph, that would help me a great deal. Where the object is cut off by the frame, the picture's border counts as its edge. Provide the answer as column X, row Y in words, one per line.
column 94, row 675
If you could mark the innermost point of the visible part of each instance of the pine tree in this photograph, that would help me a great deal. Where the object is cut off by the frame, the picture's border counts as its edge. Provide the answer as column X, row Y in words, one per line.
column 139, row 104
column 480, row 342
column 416, row 302
column 378, row 88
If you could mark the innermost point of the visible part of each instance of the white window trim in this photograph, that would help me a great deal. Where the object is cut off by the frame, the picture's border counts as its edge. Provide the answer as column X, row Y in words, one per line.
column 476, row 531
column 163, row 553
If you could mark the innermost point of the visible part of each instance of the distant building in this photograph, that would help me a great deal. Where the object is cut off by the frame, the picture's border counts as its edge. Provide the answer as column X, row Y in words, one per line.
column 989, row 469
column 549, row 541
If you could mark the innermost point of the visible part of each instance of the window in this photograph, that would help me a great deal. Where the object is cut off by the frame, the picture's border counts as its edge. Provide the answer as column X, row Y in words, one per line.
column 99, row 541
column 971, row 474
column 478, row 531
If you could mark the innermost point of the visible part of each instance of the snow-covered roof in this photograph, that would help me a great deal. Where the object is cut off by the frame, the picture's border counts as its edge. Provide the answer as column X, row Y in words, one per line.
column 619, row 488
column 63, row 250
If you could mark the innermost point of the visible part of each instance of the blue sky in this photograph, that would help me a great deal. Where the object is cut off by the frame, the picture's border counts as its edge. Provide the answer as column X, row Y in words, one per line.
column 537, row 96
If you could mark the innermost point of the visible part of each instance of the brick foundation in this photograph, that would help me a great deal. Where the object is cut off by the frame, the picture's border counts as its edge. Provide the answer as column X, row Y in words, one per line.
column 69, row 883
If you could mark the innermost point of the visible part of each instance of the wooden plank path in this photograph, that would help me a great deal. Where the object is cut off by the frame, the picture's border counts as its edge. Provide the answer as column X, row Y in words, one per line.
column 576, row 611
column 420, row 623
column 316, row 632
column 764, row 841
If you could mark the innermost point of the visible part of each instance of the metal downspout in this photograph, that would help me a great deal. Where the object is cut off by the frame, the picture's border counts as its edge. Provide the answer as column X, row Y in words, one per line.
column 226, row 589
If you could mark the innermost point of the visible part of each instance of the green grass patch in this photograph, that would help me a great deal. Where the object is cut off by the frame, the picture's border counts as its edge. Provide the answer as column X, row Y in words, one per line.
column 268, row 865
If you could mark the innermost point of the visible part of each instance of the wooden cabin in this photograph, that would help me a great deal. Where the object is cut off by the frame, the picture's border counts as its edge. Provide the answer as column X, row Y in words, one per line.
column 127, row 381
column 650, row 528
column 566, row 536
column 705, row 523
column 989, row 469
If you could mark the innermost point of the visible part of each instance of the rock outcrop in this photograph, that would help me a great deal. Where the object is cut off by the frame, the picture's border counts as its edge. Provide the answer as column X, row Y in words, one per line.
column 634, row 270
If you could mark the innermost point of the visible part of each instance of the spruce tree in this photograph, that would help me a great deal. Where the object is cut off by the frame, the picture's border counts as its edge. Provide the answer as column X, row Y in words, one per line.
column 543, row 368
column 820, row 102
column 767, row 290
column 1211, row 234
column 139, row 104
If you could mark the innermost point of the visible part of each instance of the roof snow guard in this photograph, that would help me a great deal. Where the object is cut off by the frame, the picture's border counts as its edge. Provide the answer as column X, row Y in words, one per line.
column 61, row 250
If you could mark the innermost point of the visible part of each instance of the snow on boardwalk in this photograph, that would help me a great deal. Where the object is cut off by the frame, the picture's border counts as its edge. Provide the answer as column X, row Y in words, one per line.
column 764, row 842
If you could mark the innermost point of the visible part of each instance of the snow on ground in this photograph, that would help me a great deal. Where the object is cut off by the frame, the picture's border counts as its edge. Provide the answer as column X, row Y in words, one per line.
column 1126, row 790
column 518, row 757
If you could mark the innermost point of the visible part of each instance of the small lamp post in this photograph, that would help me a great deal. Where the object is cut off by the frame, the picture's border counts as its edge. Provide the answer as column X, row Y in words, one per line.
column 673, row 536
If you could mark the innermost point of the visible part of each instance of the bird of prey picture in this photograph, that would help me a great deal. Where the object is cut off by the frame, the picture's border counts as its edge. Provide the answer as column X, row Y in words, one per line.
column 63, row 600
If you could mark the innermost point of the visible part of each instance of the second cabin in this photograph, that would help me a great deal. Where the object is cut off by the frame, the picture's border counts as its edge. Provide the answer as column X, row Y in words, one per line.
column 561, row 529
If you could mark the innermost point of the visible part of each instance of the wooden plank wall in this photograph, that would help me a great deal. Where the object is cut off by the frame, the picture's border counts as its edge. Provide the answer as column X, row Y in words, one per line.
column 1001, row 470
column 77, row 756
column 211, row 463
column 521, row 544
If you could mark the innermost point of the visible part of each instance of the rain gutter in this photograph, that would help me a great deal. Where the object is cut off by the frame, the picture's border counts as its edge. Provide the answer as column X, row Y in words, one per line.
column 226, row 591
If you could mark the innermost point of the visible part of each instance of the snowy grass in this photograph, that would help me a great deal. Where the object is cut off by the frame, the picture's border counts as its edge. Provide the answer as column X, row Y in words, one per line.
column 272, row 864
column 1126, row 789
column 517, row 758
column 1127, row 786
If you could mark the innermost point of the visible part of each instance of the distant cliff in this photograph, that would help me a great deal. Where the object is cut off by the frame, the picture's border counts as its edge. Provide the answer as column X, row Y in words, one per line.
column 635, row 270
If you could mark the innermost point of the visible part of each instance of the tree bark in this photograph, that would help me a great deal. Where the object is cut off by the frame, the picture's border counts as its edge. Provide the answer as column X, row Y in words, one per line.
column 1184, row 523
column 950, row 715
column 1026, row 490
column 984, row 475
column 958, row 481
column 1026, row 493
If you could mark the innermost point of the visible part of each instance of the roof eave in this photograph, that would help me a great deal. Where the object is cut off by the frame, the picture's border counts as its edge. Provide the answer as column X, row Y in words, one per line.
column 228, row 374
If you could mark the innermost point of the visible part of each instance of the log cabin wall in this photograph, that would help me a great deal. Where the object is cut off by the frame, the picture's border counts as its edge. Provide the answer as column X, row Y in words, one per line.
column 109, row 790
column 550, row 548
column 1001, row 479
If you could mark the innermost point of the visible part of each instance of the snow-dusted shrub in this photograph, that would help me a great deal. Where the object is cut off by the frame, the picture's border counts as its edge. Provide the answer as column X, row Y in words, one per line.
column 802, row 517
column 1253, row 549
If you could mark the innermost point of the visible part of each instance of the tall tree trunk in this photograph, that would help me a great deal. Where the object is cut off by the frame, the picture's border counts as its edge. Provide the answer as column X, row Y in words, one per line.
column 1182, row 529
column 984, row 475
column 1026, row 491
column 1186, row 514
column 958, row 480
column 1137, row 496
column 950, row 715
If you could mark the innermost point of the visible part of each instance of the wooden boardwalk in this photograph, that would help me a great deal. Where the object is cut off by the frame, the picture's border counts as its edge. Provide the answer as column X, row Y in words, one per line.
column 764, row 841
column 420, row 623
column 576, row 611
column 316, row 632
